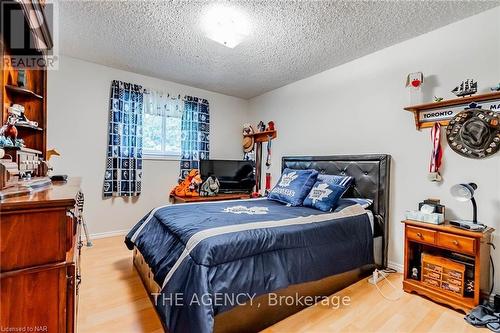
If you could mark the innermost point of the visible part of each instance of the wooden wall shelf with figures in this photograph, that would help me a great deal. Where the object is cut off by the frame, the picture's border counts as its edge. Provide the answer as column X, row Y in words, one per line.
column 263, row 136
column 425, row 115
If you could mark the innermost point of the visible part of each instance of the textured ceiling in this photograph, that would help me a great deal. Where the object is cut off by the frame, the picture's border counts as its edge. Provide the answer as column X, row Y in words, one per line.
column 289, row 40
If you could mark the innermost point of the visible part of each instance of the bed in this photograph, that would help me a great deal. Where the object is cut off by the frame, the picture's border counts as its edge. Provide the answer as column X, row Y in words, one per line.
column 214, row 266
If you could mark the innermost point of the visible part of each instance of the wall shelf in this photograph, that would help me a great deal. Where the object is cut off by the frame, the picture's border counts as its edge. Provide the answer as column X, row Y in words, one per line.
column 263, row 136
column 425, row 115
column 27, row 127
column 22, row 91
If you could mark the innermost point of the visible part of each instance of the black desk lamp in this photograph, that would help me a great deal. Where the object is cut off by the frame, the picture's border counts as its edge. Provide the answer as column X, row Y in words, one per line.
column 465, row 192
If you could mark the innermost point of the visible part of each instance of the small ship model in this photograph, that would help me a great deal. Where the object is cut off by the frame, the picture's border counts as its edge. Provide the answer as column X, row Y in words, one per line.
column 467, row 87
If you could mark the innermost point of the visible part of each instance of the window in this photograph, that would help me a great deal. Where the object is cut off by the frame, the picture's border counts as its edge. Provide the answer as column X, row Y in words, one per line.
column 161, row 126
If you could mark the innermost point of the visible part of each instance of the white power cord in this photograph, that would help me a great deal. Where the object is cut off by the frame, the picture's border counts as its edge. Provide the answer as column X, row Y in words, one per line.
column 378, row 276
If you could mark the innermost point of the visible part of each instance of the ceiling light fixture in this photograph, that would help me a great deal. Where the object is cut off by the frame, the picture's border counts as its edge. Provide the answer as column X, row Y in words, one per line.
column 225, row 25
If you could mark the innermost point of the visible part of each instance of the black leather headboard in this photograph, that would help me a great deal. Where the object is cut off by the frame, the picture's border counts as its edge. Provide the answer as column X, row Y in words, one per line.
column 371, row 175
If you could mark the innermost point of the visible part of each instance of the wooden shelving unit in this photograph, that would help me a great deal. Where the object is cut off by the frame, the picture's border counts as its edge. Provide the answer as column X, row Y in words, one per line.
column 33, row 96
column 449, row 108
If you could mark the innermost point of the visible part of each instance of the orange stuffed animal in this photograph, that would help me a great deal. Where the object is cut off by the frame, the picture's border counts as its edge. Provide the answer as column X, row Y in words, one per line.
column 189, row 186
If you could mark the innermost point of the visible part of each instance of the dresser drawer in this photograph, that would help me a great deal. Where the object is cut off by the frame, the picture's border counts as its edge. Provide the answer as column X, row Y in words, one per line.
column 421, row 235
column 456, row 243
column 30, row 238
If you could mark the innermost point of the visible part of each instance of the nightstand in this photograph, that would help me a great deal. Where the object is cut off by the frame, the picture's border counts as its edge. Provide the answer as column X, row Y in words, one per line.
column 446, row 244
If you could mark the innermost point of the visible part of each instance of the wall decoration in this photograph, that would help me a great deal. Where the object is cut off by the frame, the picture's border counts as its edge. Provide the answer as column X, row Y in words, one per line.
column 261, row 127
column 261, row 135
column 467, row 87
column 124, row 156
column 248, row 139
column 474, row 132
column 425, row 115
column 414, row 83
column 437, row 154
column 437, row 99
column 495, row 88
column 195, row 137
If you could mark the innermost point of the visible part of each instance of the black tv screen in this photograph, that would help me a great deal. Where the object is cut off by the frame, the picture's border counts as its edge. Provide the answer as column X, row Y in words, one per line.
column 234, row 176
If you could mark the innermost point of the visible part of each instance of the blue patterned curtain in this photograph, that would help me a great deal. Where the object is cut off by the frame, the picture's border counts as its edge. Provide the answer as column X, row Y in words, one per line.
column 124, row 158
column 195, row 133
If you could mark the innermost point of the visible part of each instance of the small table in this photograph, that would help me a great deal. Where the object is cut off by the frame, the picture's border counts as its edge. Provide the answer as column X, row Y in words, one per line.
column 220, row 197
column 442, row 240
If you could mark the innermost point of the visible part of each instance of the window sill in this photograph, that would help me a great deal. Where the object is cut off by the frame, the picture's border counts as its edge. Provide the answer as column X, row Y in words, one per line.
column 161, row 157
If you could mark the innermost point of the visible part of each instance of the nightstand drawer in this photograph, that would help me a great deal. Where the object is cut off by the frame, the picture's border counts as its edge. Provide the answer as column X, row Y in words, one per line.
column 457, row 243
column 421, row 235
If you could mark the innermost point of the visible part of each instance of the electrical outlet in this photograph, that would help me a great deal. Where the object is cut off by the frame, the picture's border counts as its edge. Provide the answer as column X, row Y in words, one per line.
column 377, row 276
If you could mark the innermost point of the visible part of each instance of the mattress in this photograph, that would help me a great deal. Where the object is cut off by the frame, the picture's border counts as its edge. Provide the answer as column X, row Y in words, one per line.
column 209, row 257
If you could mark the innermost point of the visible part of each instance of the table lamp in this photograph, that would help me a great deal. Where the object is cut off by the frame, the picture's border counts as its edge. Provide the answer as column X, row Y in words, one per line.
column 465, row 192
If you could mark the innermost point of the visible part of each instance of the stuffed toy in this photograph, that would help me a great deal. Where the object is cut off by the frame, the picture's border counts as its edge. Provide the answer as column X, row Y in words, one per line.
column 210, row 187
column 189, row 186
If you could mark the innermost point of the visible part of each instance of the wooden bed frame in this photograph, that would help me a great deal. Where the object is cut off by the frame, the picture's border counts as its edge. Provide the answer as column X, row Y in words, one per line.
column 250, row 318
column 371, row 174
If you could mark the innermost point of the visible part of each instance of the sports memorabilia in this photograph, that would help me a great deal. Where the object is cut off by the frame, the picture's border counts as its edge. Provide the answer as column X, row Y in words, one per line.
column 248, row 139
column 474, row 132
column 437, row 154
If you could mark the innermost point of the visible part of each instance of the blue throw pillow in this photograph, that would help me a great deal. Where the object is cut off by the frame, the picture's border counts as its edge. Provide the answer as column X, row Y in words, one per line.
column 324, row 196
column 345, row 181
column 293, row 186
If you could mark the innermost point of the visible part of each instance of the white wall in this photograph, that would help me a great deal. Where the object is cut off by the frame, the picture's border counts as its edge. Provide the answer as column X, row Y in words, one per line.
column 358, row 108
column 78, row 99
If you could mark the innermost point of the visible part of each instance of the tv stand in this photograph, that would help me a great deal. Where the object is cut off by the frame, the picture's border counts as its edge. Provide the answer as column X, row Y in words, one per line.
column 220, row 197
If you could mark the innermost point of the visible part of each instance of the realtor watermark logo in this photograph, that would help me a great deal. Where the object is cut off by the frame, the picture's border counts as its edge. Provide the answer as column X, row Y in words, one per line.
column 30, row 33
column 234, row 299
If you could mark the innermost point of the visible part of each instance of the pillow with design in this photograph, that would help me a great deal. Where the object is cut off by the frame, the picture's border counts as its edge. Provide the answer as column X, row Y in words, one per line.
column 324, row 196
column 293, row 186
column 345, row 181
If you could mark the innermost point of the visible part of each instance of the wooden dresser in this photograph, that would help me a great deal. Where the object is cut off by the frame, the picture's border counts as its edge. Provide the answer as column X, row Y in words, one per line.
column 39, row 266
column 448, row 248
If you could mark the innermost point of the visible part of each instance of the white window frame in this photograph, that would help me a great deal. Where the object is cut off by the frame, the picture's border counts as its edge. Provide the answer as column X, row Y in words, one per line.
column 163, row 155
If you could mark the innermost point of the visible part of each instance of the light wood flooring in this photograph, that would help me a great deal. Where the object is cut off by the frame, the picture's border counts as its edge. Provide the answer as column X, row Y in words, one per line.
column 112, row 299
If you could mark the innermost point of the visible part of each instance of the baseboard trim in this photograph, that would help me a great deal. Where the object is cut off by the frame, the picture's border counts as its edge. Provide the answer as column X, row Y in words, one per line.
column 394, row 265
column 107, row 234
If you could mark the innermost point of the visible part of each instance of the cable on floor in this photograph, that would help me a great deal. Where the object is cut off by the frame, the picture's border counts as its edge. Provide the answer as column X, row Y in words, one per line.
column 390, row 283
column 492, row 272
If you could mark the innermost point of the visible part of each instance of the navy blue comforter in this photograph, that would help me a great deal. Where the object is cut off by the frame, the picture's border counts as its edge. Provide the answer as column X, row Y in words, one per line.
column 199, row 252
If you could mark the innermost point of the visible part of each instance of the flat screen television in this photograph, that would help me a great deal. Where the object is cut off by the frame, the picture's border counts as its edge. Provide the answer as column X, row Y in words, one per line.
column 234, row 176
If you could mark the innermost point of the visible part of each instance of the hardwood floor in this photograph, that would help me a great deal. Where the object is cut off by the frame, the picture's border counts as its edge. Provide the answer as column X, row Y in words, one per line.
column 112, row 299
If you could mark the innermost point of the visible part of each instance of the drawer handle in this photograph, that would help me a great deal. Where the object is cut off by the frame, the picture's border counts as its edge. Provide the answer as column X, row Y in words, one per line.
column 455, row 242
column 419, row 235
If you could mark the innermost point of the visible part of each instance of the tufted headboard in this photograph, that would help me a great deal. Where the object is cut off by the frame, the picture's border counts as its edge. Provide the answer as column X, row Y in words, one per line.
column 371, row 175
